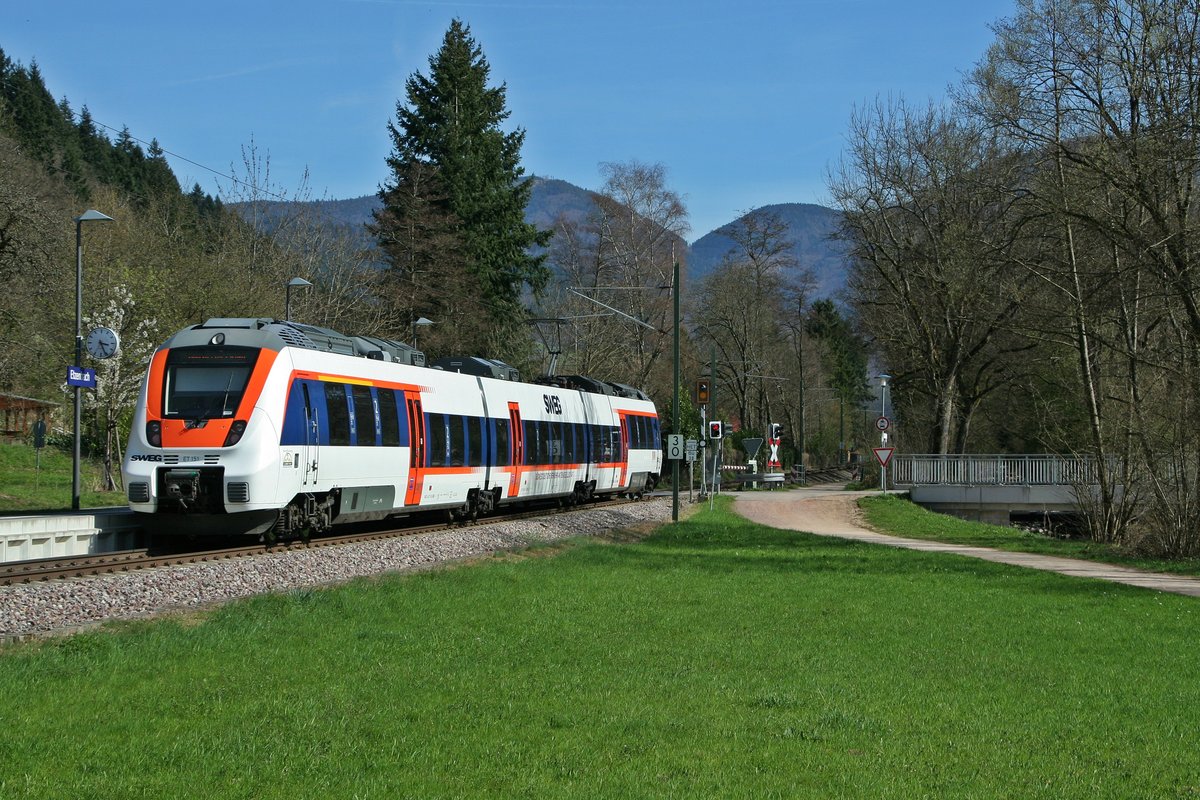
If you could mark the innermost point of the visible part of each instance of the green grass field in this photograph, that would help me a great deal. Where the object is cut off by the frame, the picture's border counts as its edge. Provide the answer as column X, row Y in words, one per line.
column 715, row 659
column 25, row 487
column 894, row 514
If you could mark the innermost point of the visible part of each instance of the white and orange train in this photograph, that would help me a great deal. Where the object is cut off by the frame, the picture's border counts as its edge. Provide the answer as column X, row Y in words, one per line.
column 282, row 429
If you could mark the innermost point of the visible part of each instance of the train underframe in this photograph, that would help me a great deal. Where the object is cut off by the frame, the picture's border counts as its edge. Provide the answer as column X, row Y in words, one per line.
column 191, row 498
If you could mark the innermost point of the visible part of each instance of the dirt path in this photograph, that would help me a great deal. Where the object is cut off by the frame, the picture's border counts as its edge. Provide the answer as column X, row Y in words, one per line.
column 832, row 512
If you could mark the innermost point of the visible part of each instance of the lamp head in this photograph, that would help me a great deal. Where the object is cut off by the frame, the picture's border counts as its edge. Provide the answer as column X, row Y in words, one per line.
column 91, row 215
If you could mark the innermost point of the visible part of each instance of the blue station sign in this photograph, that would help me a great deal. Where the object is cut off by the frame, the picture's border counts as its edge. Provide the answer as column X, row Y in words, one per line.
column 83, row 377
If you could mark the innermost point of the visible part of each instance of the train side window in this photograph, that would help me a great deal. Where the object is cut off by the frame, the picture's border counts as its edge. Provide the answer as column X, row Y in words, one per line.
column 389, row 425
column 533, row 443
column 502, row 455
column 536, row 444
column 476, row 441
column 364, row 424
column 599, row 435
column 337, row 412
column 437, row 440
column 456, row 440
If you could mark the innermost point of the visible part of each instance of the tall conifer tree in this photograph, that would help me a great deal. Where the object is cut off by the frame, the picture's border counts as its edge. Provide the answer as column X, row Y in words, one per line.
column 448, row 132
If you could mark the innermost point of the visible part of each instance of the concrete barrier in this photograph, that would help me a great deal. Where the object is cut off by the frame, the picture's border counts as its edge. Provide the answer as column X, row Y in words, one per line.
column 104, row 530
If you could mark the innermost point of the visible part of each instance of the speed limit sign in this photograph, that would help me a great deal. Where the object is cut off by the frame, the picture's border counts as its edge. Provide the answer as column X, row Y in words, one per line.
column 883, row 423
column 675, row 446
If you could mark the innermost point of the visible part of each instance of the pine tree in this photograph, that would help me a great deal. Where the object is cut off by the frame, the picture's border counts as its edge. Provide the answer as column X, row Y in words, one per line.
column 160, row 180
column 96, row 149
column 37, row 119
column 472, row 185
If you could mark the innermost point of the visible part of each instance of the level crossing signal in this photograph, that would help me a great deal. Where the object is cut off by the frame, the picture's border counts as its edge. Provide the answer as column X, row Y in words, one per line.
column 775, row 434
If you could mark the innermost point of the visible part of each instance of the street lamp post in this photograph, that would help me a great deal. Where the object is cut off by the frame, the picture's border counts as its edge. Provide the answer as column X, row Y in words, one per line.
column 422, row 321
column 88, row 216
column 298, row 283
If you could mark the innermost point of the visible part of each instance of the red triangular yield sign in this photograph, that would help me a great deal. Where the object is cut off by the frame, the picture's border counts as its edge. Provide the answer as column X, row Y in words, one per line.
column 883, row 455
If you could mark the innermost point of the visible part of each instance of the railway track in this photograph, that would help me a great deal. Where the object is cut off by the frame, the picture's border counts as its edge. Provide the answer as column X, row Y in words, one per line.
column 66, row 567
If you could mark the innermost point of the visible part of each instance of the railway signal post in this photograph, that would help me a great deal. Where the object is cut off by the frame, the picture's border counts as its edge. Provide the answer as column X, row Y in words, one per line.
column 883, row 453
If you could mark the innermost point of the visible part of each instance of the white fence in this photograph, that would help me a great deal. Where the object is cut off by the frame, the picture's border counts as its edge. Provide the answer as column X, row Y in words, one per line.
column 998, row 470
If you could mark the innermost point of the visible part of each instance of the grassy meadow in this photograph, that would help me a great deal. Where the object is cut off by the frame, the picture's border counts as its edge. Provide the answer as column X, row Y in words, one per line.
column 716, row 658
column 26, row 486
column 895, row 514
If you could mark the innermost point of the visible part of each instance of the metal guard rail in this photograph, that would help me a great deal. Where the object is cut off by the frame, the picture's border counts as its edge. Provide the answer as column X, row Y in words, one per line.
column 992, row 470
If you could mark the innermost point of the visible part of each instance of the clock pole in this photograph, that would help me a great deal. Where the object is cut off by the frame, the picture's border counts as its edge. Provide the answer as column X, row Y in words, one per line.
column 87, row 216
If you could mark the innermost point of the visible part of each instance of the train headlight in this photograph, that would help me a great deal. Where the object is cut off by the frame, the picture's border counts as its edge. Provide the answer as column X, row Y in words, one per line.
column 235, row 433
column 154, row 433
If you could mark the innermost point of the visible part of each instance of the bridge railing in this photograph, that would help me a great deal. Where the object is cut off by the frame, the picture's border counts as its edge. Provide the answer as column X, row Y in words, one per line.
column 992, row 470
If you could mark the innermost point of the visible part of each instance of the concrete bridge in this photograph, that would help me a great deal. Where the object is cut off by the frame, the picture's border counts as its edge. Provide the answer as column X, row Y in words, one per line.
column 989, row 488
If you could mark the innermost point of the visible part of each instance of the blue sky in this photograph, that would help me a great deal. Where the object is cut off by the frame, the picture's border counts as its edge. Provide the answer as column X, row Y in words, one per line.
column 745, row 103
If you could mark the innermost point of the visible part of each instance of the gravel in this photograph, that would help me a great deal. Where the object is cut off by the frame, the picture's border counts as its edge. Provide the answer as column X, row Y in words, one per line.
column 69, row 605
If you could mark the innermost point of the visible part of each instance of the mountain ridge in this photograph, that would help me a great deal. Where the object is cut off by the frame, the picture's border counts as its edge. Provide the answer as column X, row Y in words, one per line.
column 810, row 228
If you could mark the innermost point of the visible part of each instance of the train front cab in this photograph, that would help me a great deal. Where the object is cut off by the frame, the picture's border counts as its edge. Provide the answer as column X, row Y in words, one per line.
column 198, row 404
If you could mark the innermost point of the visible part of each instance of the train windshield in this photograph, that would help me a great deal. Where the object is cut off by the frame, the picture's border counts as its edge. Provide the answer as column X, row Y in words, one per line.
column 206, row 382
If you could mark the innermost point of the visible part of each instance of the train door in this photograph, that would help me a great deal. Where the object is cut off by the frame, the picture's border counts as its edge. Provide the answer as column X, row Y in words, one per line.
column 623, row 452
column 416, row 450
column 516, row 444
column 311, row 450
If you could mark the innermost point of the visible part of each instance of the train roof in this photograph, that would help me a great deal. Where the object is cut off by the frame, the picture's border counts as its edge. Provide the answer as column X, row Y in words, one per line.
column 277, row 334
column 473, row 365
column 583, row 383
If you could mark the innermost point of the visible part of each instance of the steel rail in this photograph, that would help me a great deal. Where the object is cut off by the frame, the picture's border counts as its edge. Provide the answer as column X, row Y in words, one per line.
column 80, row 566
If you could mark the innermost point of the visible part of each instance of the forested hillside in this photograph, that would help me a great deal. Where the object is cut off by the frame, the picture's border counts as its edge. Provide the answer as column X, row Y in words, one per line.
column 1026, row 255
column 811, row 233
column 168, row 258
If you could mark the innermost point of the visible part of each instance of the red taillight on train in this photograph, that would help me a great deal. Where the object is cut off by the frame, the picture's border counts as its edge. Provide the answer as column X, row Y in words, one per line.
column 154, row 434
column 235, row 433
